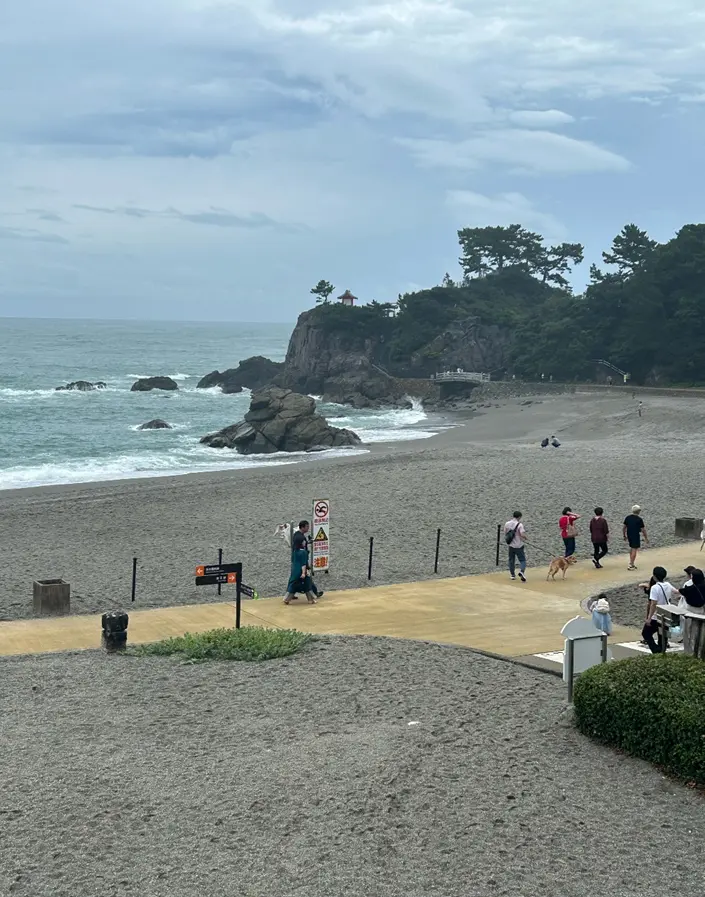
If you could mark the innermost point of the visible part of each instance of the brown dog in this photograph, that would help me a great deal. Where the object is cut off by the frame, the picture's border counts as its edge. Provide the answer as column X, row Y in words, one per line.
column 558, row 565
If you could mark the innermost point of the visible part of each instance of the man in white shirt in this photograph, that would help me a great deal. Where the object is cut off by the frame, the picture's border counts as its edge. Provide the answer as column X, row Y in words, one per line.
column 515, row 536
column 660, row 593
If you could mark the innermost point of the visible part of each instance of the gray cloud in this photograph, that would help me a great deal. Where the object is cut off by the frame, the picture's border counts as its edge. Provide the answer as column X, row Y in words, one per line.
column 214, row 217
column 29, row 235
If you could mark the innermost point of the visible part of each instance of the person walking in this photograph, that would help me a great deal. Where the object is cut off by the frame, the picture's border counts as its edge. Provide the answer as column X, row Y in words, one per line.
column 300, row 541
column 633, row 531
column 599, row 534
column 566, row 524
column 515, row 536
column 299, row 579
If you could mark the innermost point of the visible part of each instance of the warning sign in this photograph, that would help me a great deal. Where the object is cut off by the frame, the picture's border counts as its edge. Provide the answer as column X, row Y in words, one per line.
column 320, row 547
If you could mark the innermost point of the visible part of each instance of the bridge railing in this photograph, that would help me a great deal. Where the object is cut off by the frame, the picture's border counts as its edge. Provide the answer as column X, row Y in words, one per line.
column 473, row 376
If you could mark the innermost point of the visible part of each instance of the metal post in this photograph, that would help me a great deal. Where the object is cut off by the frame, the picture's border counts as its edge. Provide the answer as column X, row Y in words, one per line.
column 369, row 563
column 238, row 600
column 134, row 578
column 570, row 665
column 604, row 648
column 499, row 536
column 438, row 546
column 220, row 561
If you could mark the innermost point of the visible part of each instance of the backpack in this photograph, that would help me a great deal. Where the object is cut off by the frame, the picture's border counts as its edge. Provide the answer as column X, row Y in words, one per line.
column 509, row 536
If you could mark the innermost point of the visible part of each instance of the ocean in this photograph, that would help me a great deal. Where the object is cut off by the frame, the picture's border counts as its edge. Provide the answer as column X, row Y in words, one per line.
column 49, row 437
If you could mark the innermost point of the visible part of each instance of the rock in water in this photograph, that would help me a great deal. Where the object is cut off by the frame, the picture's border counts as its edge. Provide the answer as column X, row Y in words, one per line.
column 82, row 386
column 148, row 383
column 252, row 373
column 155, row 424
column 280, row 420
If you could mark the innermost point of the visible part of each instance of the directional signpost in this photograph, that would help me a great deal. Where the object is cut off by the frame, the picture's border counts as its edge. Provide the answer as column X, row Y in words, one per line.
column 320, row 532
column 222, row 574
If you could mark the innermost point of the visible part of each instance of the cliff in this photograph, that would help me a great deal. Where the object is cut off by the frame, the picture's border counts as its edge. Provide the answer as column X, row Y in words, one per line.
column 337, row 353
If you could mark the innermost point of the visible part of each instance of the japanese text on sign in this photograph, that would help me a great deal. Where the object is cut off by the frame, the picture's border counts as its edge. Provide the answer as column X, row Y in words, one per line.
column 320, row 546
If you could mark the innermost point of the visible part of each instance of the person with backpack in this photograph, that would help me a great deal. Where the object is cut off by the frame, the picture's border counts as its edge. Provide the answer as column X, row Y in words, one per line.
column 515, row 536
column 661, row 592
column 566, row 524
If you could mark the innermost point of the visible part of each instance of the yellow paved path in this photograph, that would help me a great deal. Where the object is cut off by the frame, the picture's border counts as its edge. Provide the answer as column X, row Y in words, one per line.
column 488, row 612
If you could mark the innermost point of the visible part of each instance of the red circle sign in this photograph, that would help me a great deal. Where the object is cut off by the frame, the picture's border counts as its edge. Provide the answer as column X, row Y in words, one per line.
column 321, row 509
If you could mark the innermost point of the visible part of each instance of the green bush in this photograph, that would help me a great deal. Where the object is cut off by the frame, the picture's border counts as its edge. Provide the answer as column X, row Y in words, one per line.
column 249, row 643
column 650, row 707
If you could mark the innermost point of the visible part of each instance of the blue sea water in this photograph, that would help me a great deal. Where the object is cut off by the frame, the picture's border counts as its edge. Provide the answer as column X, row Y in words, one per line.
column 49, row 437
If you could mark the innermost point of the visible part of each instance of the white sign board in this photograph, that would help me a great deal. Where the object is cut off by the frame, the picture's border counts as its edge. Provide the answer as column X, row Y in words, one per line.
column 320, row 535
column 585, row 648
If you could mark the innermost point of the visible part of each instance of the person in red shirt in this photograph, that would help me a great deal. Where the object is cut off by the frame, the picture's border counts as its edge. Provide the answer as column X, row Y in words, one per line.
column 599, row 533
column 566, row 525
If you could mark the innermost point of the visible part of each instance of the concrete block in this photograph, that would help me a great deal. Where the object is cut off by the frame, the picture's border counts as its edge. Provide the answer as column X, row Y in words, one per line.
column 689, row 527
column 52, row 597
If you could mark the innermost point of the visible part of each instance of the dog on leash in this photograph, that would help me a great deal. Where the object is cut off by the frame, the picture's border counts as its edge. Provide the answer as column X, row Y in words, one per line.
column 283, row 530
column 559, row 565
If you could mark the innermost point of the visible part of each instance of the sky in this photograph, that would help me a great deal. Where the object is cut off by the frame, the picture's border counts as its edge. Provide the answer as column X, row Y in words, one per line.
column 190, row 159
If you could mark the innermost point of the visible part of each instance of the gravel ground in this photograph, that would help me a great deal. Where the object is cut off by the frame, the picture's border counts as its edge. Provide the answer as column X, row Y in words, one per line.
column 465, row 481
column 362, row 766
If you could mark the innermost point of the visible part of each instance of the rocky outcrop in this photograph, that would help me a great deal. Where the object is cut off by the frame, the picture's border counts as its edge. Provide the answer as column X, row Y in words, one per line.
column 466, row 344
column 252, row 373
column 148, row 383
column 82, row 386
column 280, row 420
column 155, row 424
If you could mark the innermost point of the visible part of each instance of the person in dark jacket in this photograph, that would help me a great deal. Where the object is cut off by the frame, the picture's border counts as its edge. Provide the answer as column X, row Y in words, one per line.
column 599, row 533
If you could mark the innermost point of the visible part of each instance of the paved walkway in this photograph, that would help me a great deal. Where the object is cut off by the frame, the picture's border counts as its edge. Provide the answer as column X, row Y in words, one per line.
column 488, row 612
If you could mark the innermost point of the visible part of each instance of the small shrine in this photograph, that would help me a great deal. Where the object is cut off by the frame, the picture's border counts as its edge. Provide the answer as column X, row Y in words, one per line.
column 347, row 298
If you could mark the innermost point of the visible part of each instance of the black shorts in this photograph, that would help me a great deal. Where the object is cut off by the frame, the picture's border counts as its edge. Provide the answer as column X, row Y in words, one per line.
column 635, row 543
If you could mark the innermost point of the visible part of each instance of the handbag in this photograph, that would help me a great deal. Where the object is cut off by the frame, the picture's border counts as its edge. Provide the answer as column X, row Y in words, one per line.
column 571, row 531
column 509, row 536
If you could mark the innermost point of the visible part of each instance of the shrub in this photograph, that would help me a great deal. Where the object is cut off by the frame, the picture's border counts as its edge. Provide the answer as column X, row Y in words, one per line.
column 249, row 643
column 650, row 707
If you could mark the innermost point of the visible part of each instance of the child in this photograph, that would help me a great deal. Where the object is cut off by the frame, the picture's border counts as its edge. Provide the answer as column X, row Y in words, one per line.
column 601, row 619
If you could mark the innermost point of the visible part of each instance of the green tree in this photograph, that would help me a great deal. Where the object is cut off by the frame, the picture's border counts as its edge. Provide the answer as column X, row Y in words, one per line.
column 554, row 263
column 489, row 249
column 322, row 292
column 631, row 249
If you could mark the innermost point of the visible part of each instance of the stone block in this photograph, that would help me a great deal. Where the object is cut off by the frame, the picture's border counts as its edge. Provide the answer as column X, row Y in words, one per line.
column 52, row 597
column 689, row 527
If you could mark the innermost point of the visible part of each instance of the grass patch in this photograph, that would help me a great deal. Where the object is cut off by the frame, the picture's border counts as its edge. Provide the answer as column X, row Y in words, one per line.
column 650, row 707
column 249, row 643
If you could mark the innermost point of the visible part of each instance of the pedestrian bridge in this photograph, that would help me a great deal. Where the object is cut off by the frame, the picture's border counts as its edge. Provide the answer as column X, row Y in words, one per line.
column 461, row 377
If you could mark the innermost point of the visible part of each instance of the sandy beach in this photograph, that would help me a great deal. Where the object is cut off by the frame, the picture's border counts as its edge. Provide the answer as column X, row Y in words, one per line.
column 361, row 766
column 464, row 481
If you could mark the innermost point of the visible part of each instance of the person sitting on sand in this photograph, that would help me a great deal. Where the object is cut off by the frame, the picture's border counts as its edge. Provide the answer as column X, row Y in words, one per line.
column 299, row 580
column 554, row 442
column 633, row 530
column 544, row 442
column 600, row 609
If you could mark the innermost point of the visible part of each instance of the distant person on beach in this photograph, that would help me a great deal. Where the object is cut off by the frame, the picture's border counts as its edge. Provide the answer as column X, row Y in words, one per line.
column 299, row 542
column 566, row 524
column 661, row 592
column 515, row 536
column 640, row 408
column 633, row 531
column 599, row 534
column 544, row 442
column 554, row 442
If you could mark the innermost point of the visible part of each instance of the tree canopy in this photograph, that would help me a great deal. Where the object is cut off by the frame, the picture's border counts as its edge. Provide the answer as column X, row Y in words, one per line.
column 642, row 313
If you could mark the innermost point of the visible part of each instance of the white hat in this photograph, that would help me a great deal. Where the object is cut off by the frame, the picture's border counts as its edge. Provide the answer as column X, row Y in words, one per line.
column 602, row 606
column 636, row 509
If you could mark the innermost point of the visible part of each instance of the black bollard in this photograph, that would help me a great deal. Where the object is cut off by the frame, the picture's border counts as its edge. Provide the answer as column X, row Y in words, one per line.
column 134, row 578
column 438, row 548
column 499, row 536
column 220, row 561
column 114, row 625
column 369, row 563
